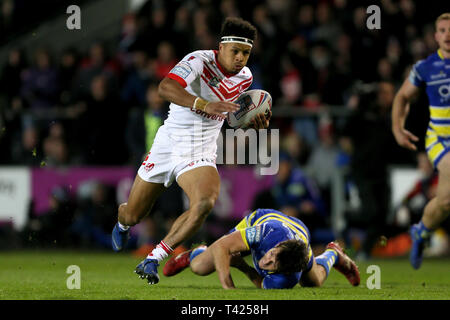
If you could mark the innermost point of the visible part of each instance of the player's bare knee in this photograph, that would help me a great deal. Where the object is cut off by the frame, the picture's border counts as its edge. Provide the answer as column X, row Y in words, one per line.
column 444, row 205
column 122, row 208
column 203, row 207
column 126, row 216
column 196, row 267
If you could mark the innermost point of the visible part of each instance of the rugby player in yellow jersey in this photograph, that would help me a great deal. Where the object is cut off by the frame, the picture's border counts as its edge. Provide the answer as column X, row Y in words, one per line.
column 432, row 73
column 281, row 254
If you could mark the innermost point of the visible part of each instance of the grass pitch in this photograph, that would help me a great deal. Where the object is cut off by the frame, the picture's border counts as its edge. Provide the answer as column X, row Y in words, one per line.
column 34, row 275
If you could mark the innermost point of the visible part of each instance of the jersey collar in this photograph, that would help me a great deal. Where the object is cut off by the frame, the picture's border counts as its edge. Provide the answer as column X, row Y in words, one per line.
column 439, row 52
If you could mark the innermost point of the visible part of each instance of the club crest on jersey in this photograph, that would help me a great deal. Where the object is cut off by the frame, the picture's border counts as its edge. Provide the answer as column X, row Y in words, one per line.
column 214, row 82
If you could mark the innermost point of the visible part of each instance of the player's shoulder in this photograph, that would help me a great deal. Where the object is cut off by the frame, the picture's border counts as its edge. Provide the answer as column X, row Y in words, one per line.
column 203, row 55
column 245, row 73
column 432, row 60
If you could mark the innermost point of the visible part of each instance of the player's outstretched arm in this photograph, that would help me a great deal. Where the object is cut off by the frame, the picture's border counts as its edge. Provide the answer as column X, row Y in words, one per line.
column 400, row 110
column 172, row 91
column 222, row 251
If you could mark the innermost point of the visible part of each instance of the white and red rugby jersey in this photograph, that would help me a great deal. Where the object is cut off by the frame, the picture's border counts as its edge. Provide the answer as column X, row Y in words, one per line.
column 201, row 75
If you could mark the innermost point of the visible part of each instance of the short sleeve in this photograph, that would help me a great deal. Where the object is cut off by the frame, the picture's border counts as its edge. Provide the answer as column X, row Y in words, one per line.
column 281, row 281
column 251, row 236
column 415, row 75
column 187, row 70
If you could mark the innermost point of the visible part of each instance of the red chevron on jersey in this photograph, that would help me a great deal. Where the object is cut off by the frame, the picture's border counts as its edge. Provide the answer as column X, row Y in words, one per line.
column 226, row 81
column 227, row 94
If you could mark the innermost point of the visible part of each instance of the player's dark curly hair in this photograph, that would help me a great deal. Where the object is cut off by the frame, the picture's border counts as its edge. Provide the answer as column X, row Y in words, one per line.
column 293, row 256
column 233, row 26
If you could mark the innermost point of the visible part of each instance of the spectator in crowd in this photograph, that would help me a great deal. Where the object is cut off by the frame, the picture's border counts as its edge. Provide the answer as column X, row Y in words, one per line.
column 68, row 66
column 295, row 194
column 93, row 216
column 28, row 152
column 40, row 83
column 144, row 123
column 95, row 64
column 10, row 76
column 373, row 148
column 55, row 149
column 165, row 59
column 322, row 164
column 51, row 228
column 104, row 142
column 137, row 80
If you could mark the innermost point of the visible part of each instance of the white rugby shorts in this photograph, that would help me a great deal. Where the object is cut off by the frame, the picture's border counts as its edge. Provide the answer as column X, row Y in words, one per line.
column 168, row 159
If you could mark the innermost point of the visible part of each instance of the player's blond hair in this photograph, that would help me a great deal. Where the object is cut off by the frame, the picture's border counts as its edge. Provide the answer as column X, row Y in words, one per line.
column 444, row 16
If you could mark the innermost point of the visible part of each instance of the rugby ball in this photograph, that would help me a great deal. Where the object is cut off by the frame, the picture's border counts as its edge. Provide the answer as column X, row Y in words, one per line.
column 251, row 103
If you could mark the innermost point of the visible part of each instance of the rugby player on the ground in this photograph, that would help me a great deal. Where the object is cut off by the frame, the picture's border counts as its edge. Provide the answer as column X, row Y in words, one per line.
column 281, row 254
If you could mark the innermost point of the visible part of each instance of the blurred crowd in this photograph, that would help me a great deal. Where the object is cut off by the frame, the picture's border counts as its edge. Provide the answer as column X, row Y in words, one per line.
column 101, row 107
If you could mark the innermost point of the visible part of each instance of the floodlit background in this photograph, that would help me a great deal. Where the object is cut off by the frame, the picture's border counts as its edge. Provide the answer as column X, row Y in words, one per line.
column 79, row 110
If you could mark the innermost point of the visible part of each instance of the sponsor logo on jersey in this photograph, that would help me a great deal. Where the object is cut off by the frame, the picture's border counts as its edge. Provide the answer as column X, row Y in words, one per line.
column 438, row 76
column 444, row 91
column 208, row 115
column 253, row 234
column 182, row 70
column 438, row 63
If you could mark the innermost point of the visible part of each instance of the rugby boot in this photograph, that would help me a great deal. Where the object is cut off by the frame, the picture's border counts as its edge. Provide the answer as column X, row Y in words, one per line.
column 119, row 238
column 345, row 265
column 419, row 239
column 148, row 269
column 177, row 264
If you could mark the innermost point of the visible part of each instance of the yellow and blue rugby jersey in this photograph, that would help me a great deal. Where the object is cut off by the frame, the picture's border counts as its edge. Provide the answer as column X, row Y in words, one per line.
column 262, row 230
column 434, row 73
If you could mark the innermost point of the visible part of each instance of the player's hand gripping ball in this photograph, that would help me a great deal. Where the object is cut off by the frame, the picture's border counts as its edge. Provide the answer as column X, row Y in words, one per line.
column 252, row 103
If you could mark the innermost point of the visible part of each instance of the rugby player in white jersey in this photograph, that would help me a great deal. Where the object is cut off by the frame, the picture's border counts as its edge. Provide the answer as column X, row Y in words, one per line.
column 433, row 73
column 200, row 88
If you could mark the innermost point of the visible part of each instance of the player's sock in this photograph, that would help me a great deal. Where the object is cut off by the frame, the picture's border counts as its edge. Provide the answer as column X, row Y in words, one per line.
column 422, row 231
column 196, row 252
column 122, row 227
column 161, row 252
column 327, row 259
